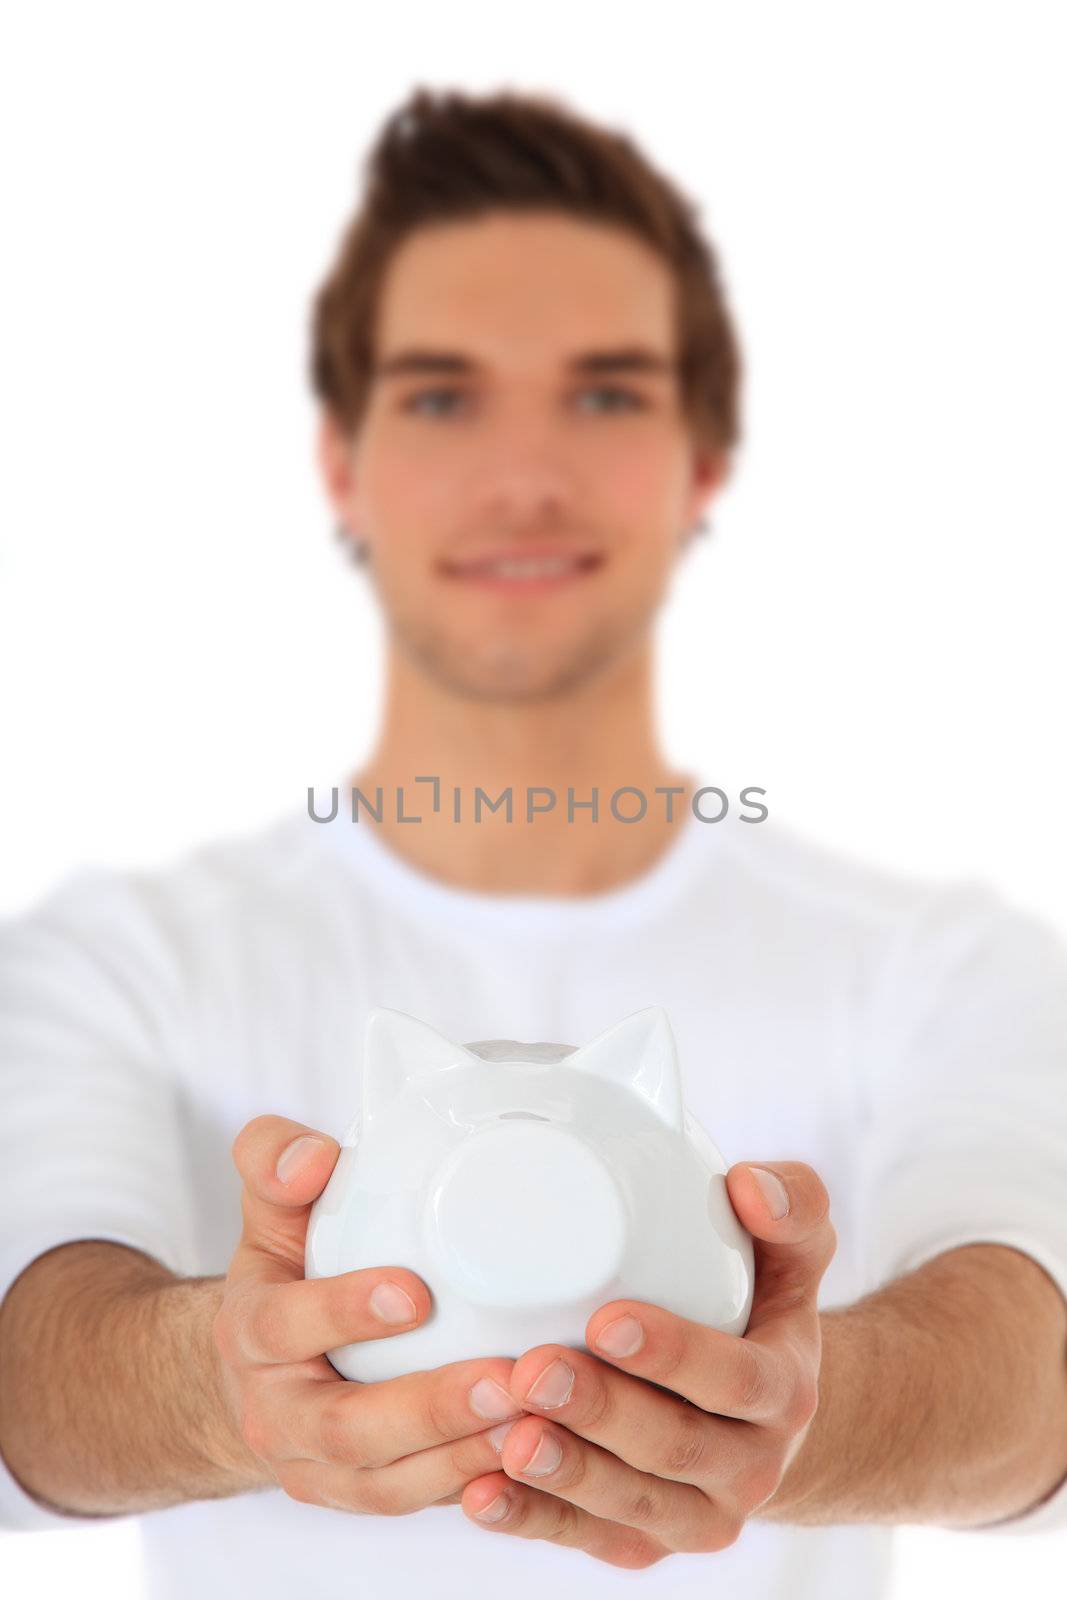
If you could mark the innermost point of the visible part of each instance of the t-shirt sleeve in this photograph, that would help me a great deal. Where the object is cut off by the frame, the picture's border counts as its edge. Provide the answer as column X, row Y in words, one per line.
column 90, row 1137
column 967, row 1139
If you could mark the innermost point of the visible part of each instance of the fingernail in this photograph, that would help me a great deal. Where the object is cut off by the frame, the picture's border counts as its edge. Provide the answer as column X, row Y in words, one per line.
column 773, row 1191
column 390, row 1304
column 489, row 1400
column 623, row 1337
column 495, row 1510
column 553, row 1387
column 498, row 1434
column 545, row 1459
column 296, row 1155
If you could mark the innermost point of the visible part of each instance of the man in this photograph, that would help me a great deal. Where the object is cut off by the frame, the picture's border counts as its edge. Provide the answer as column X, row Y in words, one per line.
column 529, row 391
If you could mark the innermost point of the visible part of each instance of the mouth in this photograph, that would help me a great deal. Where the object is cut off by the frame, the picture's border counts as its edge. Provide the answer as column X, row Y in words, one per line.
column 523, row 572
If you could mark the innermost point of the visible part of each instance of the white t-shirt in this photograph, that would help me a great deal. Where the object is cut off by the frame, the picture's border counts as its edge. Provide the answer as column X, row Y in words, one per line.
column 908, row 1040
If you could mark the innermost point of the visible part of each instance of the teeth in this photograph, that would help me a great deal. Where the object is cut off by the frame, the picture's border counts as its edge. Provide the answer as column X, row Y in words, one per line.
column 523, row 567
column 547, row 567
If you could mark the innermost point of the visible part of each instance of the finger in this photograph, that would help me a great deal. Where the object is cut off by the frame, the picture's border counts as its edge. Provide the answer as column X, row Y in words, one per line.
column 501, row 1505
column 284, row 1166
column 785, row 1206
column 644, row 1425
column 301, row 1318
column 430, row 1477
column 557, row 1462
column 719, row 1372
column 373, row 1424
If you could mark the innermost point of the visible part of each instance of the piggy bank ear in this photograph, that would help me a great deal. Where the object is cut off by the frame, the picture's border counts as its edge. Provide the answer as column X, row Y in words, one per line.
column 639, row 1055
column 397, row 1048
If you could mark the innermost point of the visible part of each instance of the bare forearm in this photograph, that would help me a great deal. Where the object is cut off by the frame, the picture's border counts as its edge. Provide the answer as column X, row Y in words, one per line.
column 942, row 1399
column 110, row 1396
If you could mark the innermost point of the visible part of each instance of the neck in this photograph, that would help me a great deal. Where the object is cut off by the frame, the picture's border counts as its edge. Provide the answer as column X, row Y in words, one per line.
column 600, row 737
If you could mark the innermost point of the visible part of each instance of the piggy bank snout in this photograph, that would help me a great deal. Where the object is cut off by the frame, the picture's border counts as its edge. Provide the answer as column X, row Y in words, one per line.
column 525, row 1214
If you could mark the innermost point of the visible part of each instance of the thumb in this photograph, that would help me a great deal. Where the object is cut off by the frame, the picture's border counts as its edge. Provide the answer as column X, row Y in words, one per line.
column 284, row 1166
column 786, row 1208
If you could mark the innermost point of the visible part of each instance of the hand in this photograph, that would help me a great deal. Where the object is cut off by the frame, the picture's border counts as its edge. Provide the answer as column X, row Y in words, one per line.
column 626, row 1470
column 384, row 1448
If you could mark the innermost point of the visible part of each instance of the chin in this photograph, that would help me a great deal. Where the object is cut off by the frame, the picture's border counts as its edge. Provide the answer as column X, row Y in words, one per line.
column 509, row 676
column 524, row 689
column 508, row 670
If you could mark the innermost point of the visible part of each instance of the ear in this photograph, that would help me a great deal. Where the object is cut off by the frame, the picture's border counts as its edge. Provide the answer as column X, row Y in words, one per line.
column 711, row 469
column 334, row 456
column 396, row 1049
column 638, row 1054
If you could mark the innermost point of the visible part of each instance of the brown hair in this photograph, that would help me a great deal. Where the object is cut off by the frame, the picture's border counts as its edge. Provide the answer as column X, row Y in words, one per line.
column 447, row 156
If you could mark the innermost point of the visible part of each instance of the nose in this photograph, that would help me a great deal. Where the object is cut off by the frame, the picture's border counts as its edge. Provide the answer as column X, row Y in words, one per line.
column 524, row 476
column 525, row 1214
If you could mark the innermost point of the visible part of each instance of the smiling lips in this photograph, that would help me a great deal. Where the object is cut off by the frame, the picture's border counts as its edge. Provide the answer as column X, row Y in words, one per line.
column 523, row 572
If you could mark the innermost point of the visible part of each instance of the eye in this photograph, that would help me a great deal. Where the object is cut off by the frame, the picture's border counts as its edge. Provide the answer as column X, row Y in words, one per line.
column 448, row 401
column 439, row 402
column 620, row 399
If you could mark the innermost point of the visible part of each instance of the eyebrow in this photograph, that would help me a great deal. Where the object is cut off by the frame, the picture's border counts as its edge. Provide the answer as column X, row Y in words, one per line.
column 627, row 358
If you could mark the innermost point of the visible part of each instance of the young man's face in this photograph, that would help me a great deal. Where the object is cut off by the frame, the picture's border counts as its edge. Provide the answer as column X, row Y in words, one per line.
column 524, row 474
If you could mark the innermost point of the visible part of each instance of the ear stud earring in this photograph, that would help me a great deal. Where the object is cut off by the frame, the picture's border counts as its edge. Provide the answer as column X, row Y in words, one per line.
column 358, row 549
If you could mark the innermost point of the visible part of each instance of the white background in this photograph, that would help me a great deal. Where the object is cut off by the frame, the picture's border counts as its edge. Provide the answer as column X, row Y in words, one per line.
column 874, row 631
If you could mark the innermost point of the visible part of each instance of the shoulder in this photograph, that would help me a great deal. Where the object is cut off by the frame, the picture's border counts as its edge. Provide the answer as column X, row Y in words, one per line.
column 777, row 866
column 920, row 928
column 144, row 917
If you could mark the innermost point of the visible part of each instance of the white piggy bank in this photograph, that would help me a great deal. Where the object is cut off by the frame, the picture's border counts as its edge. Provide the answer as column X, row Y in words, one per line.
column 527, row 1184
